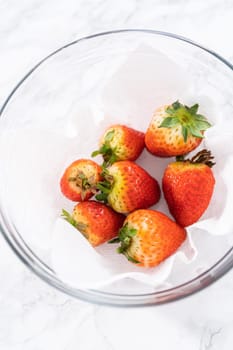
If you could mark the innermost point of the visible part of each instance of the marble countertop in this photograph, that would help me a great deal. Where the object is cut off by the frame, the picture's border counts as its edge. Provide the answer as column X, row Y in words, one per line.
column 33, row 315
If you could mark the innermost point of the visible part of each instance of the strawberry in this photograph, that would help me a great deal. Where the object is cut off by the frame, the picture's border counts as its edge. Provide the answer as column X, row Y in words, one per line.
column 175, row 130
column 120, row 142
column 188, row 186
column 97, row 222
column 78, row 182
column 127, row 187
column 148, row 237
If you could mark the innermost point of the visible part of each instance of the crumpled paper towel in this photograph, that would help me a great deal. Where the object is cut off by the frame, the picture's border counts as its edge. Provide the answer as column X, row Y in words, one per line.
column 130, row 96
column 146, row 80
column 79, row 264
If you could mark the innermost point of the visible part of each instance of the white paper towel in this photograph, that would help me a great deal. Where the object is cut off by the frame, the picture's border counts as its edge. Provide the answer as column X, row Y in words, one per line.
column 138, row 86
column 133, row 92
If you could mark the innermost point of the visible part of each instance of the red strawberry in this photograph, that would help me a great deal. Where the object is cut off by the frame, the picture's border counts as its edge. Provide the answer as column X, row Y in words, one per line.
column 120, row 142
column 188, row 186
column 78, row 182
column 127, row 187
column 148, row 237
column 175, row 130
column 97, row 222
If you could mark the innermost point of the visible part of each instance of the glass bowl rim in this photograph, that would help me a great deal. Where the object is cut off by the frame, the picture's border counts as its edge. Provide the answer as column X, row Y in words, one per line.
column 34, row 263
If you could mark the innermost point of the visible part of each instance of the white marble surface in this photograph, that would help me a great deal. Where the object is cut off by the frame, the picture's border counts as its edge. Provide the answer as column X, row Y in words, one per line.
column 34, row 316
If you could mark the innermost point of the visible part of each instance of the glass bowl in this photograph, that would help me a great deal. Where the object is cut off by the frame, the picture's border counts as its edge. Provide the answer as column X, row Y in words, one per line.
column 48, row 100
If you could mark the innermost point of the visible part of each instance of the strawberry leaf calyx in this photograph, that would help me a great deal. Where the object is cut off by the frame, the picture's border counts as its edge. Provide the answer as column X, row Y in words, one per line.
column 169, row 122
column 84, row 183
column 106, row 150
column 192, row 123
column 203, row 157
column 180, row 158
column 109, row 136
column 78, row 225
column 125, row 237
column 104, row 186
column 69, row 218
column 114, row 240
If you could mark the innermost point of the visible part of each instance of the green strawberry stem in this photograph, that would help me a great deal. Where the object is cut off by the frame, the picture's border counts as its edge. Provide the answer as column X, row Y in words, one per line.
column 81, row 180
column 105, row 189
column 114, row 240
column 85, row 184
column 125, row 236
column 106, row 150
column 104, row 186
column 180, row 158
column 190, row 121
column 69, row 218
